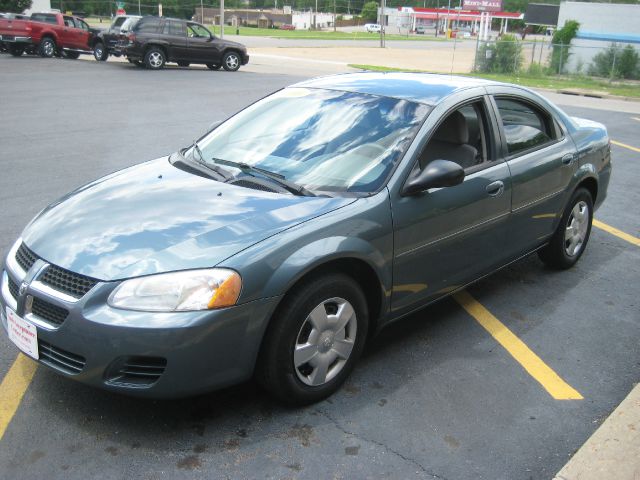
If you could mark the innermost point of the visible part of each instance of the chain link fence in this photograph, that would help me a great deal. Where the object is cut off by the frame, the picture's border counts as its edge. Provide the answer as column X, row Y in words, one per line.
column 510, row 55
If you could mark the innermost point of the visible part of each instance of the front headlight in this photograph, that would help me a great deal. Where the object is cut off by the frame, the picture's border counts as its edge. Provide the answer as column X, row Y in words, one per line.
column 179, row 291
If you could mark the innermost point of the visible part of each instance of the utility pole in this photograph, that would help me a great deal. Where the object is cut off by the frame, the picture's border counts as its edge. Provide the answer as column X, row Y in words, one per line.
column 139, row 8
column 334, row 16
column 201, row 11
column 383, row 6
column 221, row 18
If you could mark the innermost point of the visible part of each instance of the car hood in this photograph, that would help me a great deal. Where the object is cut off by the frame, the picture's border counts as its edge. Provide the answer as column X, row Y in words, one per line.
column 155, row 217
column 231, row 43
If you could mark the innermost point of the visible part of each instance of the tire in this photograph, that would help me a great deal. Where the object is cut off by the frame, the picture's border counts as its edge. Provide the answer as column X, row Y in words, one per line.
column 70, row 55
column 99, row 52
column 214, row 66
column 16, row 50
column 326, row 351
column 570, row 239
column 183, row 64
column 231, row 61
column 47, row 48
column 155, row 58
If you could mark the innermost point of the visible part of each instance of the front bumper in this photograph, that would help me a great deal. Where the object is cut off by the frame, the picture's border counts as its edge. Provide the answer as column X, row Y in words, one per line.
column 158, row 355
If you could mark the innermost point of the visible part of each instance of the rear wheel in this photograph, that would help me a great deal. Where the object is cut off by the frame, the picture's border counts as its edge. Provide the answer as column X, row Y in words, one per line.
column 213, row 66
column 231, row 61
column 155, row 58
column 16, row 50
column 570, row 239
column 314, row 339
column 99, row 52
column 47, row 47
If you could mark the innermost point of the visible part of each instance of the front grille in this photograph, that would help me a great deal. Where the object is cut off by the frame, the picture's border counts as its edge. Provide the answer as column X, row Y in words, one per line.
column 49, row 312
column 13, row 288
column 25, row 257
column 137, row 371
column 67, row 282
column 60, row 359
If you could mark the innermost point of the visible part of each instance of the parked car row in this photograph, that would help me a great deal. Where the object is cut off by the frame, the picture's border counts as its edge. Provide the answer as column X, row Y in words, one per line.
column 149, row 41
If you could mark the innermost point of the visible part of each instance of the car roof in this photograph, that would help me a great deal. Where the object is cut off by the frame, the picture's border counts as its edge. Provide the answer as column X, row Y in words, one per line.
column 428, row 88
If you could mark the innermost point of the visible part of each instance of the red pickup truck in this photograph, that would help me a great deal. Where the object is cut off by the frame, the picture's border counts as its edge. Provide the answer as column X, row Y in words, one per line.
column 46, row 34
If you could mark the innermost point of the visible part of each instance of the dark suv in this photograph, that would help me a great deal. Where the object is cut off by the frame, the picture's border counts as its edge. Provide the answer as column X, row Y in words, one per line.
column 157, row 40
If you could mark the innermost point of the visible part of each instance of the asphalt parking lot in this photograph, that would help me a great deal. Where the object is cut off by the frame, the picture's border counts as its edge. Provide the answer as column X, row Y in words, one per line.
column 435, row 395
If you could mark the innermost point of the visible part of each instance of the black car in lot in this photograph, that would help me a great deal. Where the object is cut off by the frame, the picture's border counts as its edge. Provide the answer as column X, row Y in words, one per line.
column 155, row 41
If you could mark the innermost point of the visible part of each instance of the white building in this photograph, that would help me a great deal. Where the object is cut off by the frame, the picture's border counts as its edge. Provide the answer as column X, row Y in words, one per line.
column 305, row 20
column 39, row 6
column 600, row 25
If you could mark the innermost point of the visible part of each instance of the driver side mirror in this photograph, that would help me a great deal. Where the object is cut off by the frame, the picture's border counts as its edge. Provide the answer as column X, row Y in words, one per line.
column 437, row 174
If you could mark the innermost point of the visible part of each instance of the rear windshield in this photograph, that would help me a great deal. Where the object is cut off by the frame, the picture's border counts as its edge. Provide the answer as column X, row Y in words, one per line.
column 43, row 17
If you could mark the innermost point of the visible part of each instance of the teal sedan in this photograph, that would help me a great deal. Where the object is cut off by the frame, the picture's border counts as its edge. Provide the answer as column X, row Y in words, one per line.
column 274, row 246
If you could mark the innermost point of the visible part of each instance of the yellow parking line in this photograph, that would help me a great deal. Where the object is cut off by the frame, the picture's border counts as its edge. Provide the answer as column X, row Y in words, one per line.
column 616, row 232
column 550, row 380
column 624, row 145
column 13, row 387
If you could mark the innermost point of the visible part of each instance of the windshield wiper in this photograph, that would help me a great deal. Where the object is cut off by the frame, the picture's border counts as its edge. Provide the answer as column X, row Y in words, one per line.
column 276, row 177
column 224, row 174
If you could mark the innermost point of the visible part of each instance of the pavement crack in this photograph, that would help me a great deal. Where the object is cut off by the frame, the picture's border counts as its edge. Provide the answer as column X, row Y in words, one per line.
column 380, row 444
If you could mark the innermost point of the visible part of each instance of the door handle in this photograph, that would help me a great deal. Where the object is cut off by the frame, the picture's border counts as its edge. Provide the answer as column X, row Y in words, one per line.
column 567, row 159
column 495, row 189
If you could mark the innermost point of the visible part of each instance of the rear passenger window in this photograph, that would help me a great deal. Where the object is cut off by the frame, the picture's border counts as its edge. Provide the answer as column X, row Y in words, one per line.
column 525, row 127
column 174, row 28
column 148, row 25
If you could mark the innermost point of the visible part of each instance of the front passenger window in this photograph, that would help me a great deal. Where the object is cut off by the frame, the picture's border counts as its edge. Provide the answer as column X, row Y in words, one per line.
column 460, row 138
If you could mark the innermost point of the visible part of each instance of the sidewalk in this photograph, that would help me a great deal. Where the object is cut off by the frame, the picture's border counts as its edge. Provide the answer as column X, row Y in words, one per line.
column 613, row 451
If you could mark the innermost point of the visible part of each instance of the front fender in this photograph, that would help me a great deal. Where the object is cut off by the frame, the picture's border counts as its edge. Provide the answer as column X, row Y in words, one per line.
column 360, row 231
column 322, row 252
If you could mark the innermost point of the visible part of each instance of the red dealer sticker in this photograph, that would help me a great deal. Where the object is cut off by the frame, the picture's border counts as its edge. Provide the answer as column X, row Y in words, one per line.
column 23, row 334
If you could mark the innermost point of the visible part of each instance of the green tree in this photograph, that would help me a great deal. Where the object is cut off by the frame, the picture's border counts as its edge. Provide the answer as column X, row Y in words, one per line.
column 616, row 62
column 503, row 56
column 561, row 44
column 14, row 6
column 370, row 11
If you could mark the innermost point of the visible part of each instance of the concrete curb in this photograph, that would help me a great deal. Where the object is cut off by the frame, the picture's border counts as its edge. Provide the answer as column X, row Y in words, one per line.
column 613, row 451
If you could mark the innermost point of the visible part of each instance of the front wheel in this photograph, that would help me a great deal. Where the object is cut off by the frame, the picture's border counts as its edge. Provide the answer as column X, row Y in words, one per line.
column 314, row 339
column 47, row 47
column 231, row 61
column 99, row 52
column 155, row 58
column 570, row 239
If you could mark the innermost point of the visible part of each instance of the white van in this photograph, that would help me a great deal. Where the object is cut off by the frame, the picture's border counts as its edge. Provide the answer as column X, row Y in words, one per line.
column 372, row 27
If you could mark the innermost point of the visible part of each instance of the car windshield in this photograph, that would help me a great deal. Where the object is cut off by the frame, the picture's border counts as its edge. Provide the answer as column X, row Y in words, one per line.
column 323, row 140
